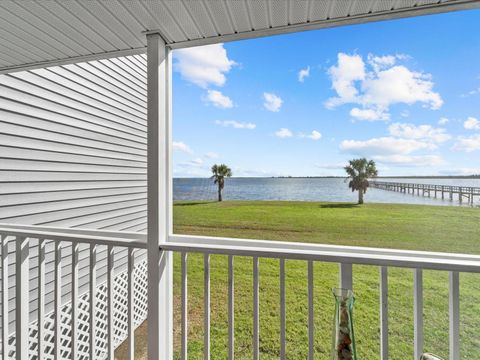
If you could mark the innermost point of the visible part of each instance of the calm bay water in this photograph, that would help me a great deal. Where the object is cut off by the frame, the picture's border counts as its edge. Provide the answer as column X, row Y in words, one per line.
column 306, row 189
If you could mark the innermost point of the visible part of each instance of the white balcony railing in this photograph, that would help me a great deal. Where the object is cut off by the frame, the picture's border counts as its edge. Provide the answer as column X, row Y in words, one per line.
column 343, row 255
column 27, row 239
column 69, row 319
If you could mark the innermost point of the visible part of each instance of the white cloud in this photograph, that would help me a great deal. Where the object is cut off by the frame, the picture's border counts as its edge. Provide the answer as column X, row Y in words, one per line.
column 336, row 166
column 197, row 162
column 381, row 62
column 410, row 160
column 241, row 172
column 400, row 85
column 303, row 73
column 420, row 132
column 283, row 133
column 212, row 155
column 385, row 146
column 203, row 65
column 468, row 143
column 368, row 114
column 471, row 92
column 443, row 121
column 315, row 135
column 180, row 146
column 472, row 124
column 236, row 124
column 379, row 87
column 272, row 102
column 348, row 70
column 219, row 100
column 461, row 171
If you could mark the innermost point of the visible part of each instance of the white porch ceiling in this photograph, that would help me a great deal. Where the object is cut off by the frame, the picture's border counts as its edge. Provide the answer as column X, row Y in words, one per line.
column 38, row 33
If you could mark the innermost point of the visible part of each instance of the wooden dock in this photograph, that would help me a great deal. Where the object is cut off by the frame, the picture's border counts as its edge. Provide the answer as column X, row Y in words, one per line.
column 465, row 194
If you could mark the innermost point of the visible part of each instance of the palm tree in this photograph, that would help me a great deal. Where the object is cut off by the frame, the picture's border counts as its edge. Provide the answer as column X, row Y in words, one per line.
column 220, row 172
column 359, row 171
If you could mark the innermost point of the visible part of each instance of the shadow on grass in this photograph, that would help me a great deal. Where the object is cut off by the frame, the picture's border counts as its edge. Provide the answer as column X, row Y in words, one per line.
column 339, row 206
column 193, row 203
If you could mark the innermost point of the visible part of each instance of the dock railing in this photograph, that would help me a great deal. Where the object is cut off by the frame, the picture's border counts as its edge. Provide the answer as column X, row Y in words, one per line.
column 464, row 193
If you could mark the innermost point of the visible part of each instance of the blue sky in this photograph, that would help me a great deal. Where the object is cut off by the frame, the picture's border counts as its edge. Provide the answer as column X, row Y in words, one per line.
column 405, row 93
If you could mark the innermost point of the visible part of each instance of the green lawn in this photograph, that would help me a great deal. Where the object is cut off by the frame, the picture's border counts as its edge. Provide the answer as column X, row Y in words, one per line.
column 416, row 227
column 452, row 229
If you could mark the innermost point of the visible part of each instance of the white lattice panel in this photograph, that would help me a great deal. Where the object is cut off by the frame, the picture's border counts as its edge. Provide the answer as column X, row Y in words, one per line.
column 120, row 319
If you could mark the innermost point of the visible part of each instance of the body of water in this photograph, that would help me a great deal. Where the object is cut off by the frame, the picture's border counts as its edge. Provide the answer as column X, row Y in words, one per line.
column 307, row 189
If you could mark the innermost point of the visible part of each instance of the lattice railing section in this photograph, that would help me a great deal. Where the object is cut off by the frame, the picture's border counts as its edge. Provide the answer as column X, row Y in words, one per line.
column 120, row 319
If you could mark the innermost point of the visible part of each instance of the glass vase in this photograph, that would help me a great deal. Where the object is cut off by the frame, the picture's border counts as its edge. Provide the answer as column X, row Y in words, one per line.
column 343, row 345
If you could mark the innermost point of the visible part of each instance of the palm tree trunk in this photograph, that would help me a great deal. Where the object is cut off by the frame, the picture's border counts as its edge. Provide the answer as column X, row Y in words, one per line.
column 219, row 193
column 360, row 196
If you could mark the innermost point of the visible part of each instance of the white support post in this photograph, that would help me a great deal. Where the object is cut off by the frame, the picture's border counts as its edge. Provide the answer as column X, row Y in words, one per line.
column 256, row 311
column 383, row 313
column 74, row 321
column 418, row 313
column 41, row 301
column 22, row 298
column 346, row 279
column 311, row 318
column 131, row 301
column 454, row 314
column 4, row 323
column 283, row 317
column 231, row 309
column 160, row 280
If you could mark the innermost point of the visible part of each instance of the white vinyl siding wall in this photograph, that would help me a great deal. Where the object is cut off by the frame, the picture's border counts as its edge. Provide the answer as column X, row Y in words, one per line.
column 73, row 154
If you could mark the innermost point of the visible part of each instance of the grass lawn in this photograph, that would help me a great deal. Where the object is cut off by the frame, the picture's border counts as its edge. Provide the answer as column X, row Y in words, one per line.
column 417, row 227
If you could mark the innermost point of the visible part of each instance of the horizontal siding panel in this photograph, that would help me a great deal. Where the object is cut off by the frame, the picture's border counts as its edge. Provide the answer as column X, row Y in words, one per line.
column 87, row 221
column 51, row 218
column 40, row 165
column 114, row 79
column 113, row 221
column 47, row 82
column 20, row 176
column 36, row 187
column 77, row 80
column 89, row 76
column 132, row 64
column 55, row 146
column 128, row 78
column 40, row 155
column 63, row 125
column 24, row 111
column 28, row 198
column 50, row 135
column 41, row 91
column 134, row 90
column 7, row 212
column 71, row 111
column 59, row 76
column 73, row 154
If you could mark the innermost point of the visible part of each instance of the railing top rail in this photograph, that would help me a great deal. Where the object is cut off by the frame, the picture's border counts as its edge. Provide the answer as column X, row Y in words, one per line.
column 327, row 253
column 75, row 231
column 86, row 237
